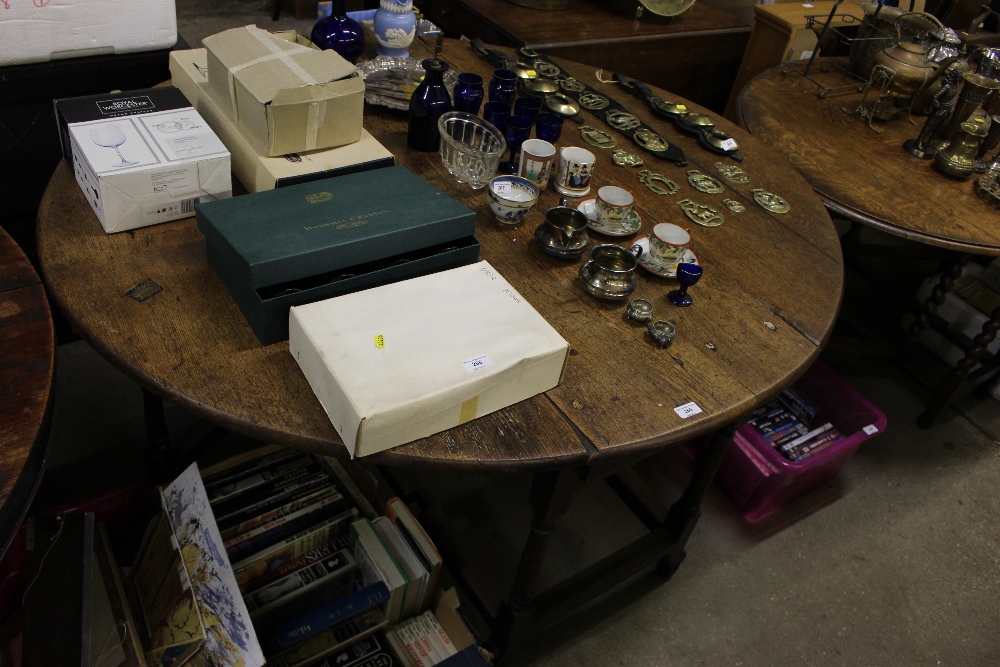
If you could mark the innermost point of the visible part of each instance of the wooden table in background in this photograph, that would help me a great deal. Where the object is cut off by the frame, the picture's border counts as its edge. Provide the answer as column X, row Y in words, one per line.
column 767, row 302
column 867, row 178
column 27, row 355
column 694, row 55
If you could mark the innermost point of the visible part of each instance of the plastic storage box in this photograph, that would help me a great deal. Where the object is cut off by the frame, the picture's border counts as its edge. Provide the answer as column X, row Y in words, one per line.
column 760, row 480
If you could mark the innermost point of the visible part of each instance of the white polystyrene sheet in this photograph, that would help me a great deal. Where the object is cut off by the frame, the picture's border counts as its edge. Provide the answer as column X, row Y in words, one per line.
column 41, row 30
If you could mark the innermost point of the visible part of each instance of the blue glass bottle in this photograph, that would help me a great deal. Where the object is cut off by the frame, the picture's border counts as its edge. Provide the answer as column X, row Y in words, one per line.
column 429, row 101
column 339, row 33
column 469, row 93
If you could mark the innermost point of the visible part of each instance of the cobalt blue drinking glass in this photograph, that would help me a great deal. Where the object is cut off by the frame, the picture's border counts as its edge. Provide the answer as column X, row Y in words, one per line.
column 503, row 87
column 469, row 93
column 548, row 126
column 527, row 107
column 516, row 130
column 495, row 113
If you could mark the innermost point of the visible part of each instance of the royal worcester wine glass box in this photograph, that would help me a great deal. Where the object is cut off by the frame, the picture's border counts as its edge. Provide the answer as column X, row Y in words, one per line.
column 142, row 157
column 33, row 31
column 408, row 360
column 316, row 240
column 287, row 97
column 189, row 72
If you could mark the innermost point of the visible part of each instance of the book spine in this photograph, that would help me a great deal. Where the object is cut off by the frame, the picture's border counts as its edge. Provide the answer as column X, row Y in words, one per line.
column 414, row 647
column 257, row 564
column 273, row 514
column 304, row 508
column 366, row 652
column 435, row 625
column 249, row 468
column 397, row 646
column 315, row 622
column 307, row 487
column 287, row 527
column 429, row 638
column 333, row 567
column 223, row 491
column 354, row 640
column 290, row 567
column 267, row 491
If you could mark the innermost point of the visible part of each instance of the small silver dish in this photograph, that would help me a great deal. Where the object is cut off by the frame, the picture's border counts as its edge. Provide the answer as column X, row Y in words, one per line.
column 639, row 310
column 662, row 333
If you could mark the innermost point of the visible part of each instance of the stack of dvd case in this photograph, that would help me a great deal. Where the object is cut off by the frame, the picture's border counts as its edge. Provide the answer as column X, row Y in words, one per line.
column 788, row 424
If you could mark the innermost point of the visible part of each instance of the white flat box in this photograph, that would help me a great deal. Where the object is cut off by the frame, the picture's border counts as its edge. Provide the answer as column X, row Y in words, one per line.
column 139, row 169
column 288, row 97
column 188, row 72
column 34, row 31
column 405, row 361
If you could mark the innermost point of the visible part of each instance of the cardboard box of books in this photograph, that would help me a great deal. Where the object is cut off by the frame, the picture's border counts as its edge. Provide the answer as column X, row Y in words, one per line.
column 404, row 361
column 142, row 157
column 189, row 73
column 289, row 98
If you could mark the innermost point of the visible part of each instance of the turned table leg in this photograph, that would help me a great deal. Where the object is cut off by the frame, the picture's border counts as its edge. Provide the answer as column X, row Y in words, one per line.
column 954, row 379
column 949, row 274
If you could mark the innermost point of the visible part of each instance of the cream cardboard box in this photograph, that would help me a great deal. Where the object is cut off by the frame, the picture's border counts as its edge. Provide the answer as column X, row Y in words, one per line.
column 287, row 97
column 33, row 31
column 404, row 361
column 188, row 70
column 142, row 157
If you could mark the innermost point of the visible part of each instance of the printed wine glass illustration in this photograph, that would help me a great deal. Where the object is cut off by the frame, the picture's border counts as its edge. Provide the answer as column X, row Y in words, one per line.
column 110, row 136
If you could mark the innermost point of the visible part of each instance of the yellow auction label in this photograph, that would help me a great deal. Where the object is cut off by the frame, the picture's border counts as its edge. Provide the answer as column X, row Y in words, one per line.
column 380, row 341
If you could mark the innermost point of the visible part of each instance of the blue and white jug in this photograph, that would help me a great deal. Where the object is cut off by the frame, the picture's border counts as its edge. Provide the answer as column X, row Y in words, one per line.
column 395, row 27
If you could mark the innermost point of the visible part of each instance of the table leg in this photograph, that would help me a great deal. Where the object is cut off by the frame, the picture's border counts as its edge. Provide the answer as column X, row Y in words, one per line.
column 684, row 513
column 161, row 457
column 551, row 492
column 850, row 242
column 958, row 374
column 949, row 274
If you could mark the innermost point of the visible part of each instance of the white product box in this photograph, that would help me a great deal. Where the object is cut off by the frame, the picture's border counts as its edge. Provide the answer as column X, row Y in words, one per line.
column 143, row 157
column 405, row 361
column 33, row 31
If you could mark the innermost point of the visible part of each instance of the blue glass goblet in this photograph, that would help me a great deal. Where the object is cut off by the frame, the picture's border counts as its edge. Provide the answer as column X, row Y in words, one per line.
column 516, row 130
column 527, row 107
column 495, row 113
column 503, row 86
column 687, row 275
column 548, row 126
column 469, row 93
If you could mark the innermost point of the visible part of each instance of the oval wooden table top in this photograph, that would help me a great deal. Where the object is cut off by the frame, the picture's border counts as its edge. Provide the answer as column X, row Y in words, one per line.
column 767, row 302
column 862, row 175
column 27, row 356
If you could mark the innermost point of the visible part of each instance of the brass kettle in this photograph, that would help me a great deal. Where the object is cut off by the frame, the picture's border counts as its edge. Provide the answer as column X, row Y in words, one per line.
column 908, row 62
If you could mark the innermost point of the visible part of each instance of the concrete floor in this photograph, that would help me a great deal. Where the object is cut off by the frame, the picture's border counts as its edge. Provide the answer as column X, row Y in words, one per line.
column 895, row 563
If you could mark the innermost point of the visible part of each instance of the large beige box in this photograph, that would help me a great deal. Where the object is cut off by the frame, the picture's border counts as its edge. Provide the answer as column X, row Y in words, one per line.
column 188, row 71
column 404, row 361
column 287, row 97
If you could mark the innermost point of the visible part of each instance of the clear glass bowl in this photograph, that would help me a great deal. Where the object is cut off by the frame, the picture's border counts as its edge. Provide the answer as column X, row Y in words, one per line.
column 470, row 147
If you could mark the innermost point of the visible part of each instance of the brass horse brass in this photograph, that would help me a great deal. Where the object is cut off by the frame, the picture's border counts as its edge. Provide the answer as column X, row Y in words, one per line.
column 598, row 138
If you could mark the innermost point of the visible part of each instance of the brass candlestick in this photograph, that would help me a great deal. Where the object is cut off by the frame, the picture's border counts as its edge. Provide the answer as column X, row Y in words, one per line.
column 975, row 90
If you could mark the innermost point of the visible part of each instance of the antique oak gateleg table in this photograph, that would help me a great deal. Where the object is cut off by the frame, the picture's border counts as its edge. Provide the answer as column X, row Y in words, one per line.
column 867, row 178
column 767, row 303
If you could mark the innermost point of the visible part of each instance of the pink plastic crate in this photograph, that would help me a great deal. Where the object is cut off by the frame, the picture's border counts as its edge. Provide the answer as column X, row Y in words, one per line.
column 760, row 480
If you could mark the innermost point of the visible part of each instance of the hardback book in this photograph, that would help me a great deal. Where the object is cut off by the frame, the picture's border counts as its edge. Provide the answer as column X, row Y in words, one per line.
column 351, row 642
column 219, row 492
column 415, row 572
column 298, row 244
column 405, row 656
column 278, row 512
column 292, row 566
column 418, row 539
column 317, row 621
column 302, row 488
column 429, row 625
column 261, row 492
column 371, row 651
column 327, row 578
column 405, row 361
column 246, row 468
column 375, row 563
column 278, row 529
column 292, row 547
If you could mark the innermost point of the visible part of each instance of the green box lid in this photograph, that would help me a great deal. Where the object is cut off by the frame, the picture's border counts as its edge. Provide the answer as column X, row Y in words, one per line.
column 304, row 230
